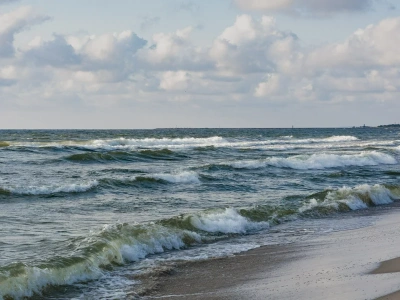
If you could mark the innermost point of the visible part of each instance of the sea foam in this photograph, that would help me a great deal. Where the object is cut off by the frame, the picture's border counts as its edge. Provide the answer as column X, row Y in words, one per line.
column 51, row 189
column 319, row 161
column 184, row 177
column 354, row 198
column 226, row 221
column 181, row 143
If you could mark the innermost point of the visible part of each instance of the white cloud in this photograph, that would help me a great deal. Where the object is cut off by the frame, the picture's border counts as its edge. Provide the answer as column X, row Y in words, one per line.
column 252, row 45
column 251, row 61
column 374, row 46
column 171, row 80
column 364, row 66
column 174, row 51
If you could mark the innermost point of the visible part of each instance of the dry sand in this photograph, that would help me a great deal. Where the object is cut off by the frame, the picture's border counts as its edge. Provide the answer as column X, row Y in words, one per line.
column 360, row 263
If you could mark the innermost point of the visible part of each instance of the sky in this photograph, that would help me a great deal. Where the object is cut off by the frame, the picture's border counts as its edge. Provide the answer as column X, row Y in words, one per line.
column 198, row 63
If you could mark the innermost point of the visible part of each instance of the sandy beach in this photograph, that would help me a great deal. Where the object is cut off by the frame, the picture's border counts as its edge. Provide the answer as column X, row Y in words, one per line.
column 359, row 263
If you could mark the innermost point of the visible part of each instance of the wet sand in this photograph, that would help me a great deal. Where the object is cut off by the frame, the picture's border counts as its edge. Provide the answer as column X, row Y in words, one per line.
column 219, row 278
column 361, row 263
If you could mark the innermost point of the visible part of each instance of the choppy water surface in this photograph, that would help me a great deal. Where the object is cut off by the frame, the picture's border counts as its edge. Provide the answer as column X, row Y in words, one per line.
column 81, row 211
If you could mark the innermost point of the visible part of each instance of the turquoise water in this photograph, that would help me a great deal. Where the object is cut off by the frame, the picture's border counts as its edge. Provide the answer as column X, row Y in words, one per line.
column 83, row 210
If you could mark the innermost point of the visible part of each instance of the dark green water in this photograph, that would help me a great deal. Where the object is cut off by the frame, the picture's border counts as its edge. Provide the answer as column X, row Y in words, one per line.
column 81, row 210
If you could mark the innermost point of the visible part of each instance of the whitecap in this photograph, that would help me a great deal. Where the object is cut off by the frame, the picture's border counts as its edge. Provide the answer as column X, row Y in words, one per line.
column 225, row 221
column 184, row 177
column 51, row 189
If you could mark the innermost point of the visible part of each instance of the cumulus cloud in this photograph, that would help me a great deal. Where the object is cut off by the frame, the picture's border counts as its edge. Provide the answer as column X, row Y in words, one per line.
column 174, row 51
column 372, row 47
column 252, row 60
column 254, row 46
column 16, row 21
column 305, row 6
column 174, row 80
column 364, row 66
column 57, row 53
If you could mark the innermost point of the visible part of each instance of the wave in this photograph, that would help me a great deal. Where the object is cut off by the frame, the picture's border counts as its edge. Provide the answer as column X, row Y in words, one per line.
column 120, row 244
column 88, row 157
column 49, row 189
column 319, row 161
column 4, row 144
column 350, row 198
column 340, row 138
column 178, row 143
column 186, row 177
column 128, row 144
column 98, row 157
column 183, row 177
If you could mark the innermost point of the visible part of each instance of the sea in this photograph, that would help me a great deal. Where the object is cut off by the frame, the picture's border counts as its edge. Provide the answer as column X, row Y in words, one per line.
column 84, row 214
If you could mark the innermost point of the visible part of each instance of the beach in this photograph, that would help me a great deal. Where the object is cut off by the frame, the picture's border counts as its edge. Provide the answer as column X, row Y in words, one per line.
column 360, row 263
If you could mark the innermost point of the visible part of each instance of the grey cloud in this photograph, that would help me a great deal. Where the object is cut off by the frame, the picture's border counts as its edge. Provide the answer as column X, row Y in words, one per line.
column 57, row 53
column 7, row 82
column 306, row 7
column 329, row 6
column 14, row 22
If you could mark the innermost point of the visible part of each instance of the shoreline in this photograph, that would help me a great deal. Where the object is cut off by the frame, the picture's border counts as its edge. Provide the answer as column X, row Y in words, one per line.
column 191, row 279
column 361, row 263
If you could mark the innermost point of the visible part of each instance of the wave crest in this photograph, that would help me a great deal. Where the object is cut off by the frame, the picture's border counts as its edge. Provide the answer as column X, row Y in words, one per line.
column 123, row 243
column 347, row 198
column 319, row 161
column 49, row 189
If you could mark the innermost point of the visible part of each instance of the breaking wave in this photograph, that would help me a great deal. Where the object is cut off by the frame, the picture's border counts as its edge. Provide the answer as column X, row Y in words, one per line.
column 124, row 144
column 119, row 244
column 183, row 177
column 49, row 189
column 319, row 161
column 351, row 198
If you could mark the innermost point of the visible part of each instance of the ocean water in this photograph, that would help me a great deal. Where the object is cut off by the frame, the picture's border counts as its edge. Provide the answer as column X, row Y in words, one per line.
column 84, row 210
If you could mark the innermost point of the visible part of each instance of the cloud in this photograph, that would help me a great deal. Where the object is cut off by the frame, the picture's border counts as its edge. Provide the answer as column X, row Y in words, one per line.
column 113, row 48
column 112, row 52
column 371, row 47
column 252, row 61
column 57, row 53
column 171, row 80
column 174, row 51
column 253, row 46
column 364, row 66
column 14, row 22
column 305, row 7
